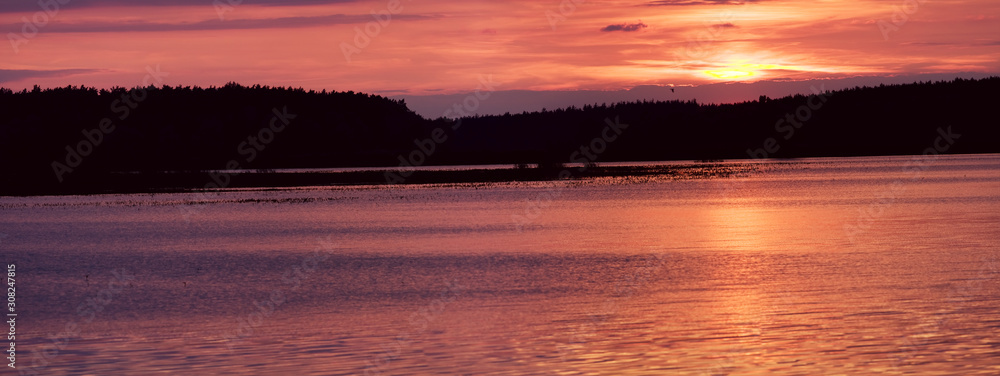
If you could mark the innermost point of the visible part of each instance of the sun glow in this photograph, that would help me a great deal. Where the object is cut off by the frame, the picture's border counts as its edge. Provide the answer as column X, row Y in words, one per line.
column 730, row 74
column 743, row 71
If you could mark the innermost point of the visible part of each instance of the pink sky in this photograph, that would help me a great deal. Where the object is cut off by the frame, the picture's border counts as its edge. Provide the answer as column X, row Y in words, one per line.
column 440, row 47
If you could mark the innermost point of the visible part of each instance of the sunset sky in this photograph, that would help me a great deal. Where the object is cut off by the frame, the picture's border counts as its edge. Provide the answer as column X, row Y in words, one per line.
column 445, row 46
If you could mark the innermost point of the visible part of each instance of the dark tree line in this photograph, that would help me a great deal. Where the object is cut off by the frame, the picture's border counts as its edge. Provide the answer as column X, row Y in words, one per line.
column 190, row 128
column 883, row 120
column 156, row 129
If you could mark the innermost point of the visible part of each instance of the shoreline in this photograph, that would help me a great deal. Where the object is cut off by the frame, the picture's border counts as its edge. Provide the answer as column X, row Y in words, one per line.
column 214, row 180
column 202, row 181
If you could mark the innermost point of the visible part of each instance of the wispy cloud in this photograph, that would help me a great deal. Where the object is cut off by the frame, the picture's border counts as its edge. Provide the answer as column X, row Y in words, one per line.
column 19, row 6
column 625, row 27
column 215, row 24
column 699, row 2
column 21, row 74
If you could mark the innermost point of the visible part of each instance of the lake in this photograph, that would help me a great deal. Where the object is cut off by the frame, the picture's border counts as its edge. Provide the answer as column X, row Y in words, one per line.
column 793, row 267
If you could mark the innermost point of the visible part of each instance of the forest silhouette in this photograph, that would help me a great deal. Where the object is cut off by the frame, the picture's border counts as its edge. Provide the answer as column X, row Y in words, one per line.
column 83, row 140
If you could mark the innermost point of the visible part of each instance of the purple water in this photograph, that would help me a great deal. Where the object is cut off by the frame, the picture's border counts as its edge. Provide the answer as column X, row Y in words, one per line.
column 815, row 266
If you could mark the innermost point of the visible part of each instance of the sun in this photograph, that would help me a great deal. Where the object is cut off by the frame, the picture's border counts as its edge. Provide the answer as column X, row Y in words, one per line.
column 731, row 74
column 740, row 70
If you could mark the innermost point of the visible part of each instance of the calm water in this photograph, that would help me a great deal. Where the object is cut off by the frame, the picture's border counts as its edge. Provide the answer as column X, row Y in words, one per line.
column 818, row 266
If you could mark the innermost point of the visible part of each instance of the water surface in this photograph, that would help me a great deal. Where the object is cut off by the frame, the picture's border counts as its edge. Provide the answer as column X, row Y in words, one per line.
column 816, row 266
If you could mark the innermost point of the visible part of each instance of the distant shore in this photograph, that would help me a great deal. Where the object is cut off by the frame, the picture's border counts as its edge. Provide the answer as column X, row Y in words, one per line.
column 76, row 140
column 192, row 181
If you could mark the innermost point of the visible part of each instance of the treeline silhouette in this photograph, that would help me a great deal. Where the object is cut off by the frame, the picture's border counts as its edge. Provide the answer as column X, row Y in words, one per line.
column 70, row 139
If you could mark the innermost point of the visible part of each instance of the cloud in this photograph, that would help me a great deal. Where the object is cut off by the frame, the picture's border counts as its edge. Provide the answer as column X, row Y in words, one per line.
column 981, row 17
column 727, row 25
column 20, row 6
column 21, row 74
column 625, row 27
column 215, row 24
column 698, row 2
column 953, row 44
